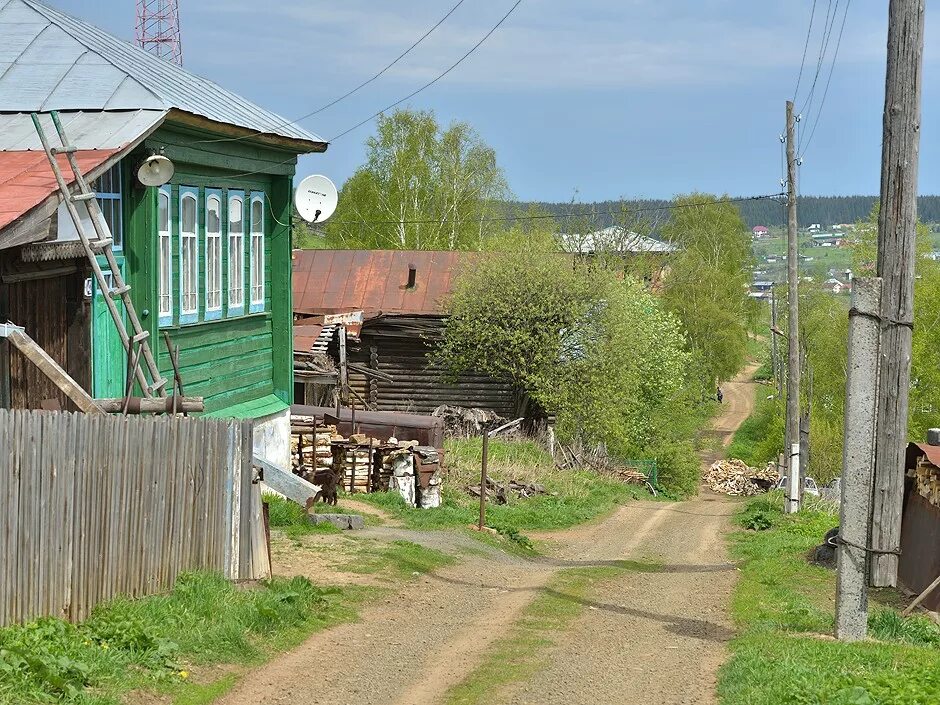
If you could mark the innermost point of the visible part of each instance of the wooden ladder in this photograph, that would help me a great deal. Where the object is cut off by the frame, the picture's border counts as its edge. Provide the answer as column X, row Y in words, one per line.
column 101, row 244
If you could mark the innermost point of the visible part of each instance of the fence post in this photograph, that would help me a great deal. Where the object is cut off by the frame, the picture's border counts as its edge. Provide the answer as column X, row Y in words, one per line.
column 861, row 387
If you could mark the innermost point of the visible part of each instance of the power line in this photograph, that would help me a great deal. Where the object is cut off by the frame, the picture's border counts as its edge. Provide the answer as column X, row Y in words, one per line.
column 550, row 216
column 809, row 32
column 354, row 90
column 832, row 67
column 823, row 49
column 407, row 97
column 434, row 80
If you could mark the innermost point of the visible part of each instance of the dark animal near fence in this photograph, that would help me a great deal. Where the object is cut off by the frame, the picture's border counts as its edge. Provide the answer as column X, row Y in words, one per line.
column 328, row 481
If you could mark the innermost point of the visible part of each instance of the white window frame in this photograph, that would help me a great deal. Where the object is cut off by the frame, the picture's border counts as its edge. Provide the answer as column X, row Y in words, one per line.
column 256, row 290
column 108, row 190
column 213, row 241
column 165, row 260
column 189, row 313
column 236, row 307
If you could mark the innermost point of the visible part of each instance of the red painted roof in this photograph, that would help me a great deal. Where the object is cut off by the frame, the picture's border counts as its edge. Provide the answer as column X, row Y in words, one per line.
column 932, row 452
column 374, row 281
column 26, row 179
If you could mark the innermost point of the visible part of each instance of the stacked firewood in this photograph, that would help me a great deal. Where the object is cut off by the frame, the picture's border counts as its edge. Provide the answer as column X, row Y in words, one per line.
column 734, row 477
column 354, row 460
column 926, row 480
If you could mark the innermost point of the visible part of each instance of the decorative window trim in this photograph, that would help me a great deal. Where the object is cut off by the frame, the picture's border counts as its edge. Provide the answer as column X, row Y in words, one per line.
column 165, row 318
column 213, row 312
column 239, row 308
column 112, row 202
column 189, row 315
column 256, row 260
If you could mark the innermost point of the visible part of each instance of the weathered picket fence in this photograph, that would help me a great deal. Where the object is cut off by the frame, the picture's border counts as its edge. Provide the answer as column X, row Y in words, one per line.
column 92, row 507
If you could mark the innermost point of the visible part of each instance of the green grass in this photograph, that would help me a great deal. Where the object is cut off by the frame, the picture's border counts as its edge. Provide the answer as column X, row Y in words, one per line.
column 575, row 497
column 522, row 652
column 784, row 609
column 152, row 643
column 757, row 441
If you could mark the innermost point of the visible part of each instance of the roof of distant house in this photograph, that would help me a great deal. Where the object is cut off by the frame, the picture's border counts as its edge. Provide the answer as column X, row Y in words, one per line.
column 52, row 61
column 614, row 239
column 760, row 229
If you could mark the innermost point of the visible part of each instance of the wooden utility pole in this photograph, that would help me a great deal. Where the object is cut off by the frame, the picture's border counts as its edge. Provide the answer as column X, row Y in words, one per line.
column 897, row 225
column 858, row 461
column 793, row 295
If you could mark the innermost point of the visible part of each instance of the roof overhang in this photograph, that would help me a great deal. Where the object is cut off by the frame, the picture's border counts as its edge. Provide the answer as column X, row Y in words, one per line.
column 296, row 145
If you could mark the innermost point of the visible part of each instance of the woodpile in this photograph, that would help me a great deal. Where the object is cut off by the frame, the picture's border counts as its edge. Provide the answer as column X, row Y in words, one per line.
column 353, row 459
column 307, row 457
column 499, row 492
column 926, row 480
column 734, row 477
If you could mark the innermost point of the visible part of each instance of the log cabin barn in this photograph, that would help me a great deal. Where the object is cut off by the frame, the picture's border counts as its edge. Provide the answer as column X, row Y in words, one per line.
column 400, row 295
column 207, row 255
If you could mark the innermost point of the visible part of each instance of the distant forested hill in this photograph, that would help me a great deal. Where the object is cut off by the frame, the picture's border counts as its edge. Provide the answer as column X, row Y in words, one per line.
column 825, row 210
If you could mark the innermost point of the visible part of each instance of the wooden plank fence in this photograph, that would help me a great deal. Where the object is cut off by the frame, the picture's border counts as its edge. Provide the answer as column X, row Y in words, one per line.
column 92, row 507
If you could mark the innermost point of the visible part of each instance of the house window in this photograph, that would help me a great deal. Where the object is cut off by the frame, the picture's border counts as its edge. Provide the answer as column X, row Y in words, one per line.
column 214, row 256
column 257, row 254
column 165, row 258
column 107, row 188
column 236, row 255
column 189, row 257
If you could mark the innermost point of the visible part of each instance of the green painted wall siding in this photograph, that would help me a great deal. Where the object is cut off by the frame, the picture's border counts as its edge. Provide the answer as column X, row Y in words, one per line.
column 234, row 360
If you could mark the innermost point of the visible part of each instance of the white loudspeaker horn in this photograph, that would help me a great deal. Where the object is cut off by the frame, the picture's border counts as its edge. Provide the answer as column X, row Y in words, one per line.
column 155, row 171
column 315, row 199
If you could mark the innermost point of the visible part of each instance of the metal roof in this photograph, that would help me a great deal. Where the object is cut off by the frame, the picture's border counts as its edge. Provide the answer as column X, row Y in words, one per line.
column 95, row 130
column 52, row 61
column 375, row 281
column 614, row 239
column 26, row 179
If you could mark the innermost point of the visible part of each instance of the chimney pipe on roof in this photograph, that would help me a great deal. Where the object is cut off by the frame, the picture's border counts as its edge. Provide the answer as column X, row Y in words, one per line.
column 412, row 276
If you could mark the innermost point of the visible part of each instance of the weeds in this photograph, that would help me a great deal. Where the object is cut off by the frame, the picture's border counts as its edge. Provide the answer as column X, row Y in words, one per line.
column 149, row 643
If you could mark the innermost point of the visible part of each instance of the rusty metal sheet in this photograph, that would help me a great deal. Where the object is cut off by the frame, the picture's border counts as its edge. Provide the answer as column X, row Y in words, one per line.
column 919, row 563
column 427, row 430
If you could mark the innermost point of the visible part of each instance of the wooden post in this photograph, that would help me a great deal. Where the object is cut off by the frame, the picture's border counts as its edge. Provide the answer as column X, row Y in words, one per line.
column 793, row 295
column 897, row 224
column 858, row 461
column 486, row 449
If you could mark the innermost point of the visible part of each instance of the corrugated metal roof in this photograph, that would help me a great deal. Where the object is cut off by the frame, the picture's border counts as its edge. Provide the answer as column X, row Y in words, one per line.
column 52, row 61
column 331, row 281
column 932, row 453
column 94, row 130
column 26, row 179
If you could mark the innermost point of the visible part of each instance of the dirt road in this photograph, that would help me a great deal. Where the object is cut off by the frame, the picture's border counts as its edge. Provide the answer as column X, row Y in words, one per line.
column 651, row 636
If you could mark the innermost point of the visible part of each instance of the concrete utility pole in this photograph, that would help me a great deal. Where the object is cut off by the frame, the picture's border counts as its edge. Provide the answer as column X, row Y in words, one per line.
column 858, row 461
column 897, row 224
column 793, row 291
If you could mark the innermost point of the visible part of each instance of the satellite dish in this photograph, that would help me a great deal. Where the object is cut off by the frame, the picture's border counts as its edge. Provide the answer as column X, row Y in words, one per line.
column 315, row 198
column 155, row 171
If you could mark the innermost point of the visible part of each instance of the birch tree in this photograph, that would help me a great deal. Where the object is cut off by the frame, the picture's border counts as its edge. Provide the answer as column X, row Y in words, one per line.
column 422, row 187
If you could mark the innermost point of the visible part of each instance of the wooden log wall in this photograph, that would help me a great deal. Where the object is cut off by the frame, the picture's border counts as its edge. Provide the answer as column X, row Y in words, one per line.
column 92, row 507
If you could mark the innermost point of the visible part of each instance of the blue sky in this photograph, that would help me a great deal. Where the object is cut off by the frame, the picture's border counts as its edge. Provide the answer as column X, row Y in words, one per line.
column 606, row 98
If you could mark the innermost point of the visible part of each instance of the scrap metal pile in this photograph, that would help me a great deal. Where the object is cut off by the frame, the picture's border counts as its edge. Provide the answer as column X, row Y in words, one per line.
column 734, row 477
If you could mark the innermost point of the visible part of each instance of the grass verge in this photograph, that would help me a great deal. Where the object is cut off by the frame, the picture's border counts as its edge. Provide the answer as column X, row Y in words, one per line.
column 522, row 653
column 399, row 559
column 152, row 644
column 756, row 440
column 784, row 607
column 574, row 497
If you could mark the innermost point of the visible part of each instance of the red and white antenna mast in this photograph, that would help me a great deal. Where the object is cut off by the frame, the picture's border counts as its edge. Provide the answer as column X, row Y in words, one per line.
column 158, row 29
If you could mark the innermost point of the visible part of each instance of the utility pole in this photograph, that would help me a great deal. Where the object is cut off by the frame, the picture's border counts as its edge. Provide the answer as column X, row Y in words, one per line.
column 857, row 461
column 793, row 293
column 897, row 225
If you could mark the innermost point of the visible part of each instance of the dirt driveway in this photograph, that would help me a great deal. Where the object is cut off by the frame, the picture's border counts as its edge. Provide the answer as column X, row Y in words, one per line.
column 644, row 636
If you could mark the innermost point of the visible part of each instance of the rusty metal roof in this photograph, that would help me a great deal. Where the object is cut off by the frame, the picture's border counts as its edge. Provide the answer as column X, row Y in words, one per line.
column 374, row 281
column 26, row 179
column 932, row 453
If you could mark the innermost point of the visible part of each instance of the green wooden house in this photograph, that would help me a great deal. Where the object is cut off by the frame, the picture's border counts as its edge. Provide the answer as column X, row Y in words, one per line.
column 208, row 255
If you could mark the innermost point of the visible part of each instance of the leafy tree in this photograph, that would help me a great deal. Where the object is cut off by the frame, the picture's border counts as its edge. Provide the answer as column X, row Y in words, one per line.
column 706, row 286
column 447, row 179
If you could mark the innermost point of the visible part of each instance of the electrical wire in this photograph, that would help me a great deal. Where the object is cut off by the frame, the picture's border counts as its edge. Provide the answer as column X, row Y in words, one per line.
column 809, row 32
column 550, row 216
column 362, row 85
column 434, row 80
column 832, row 67
column 823, row 49
column 407, row 97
